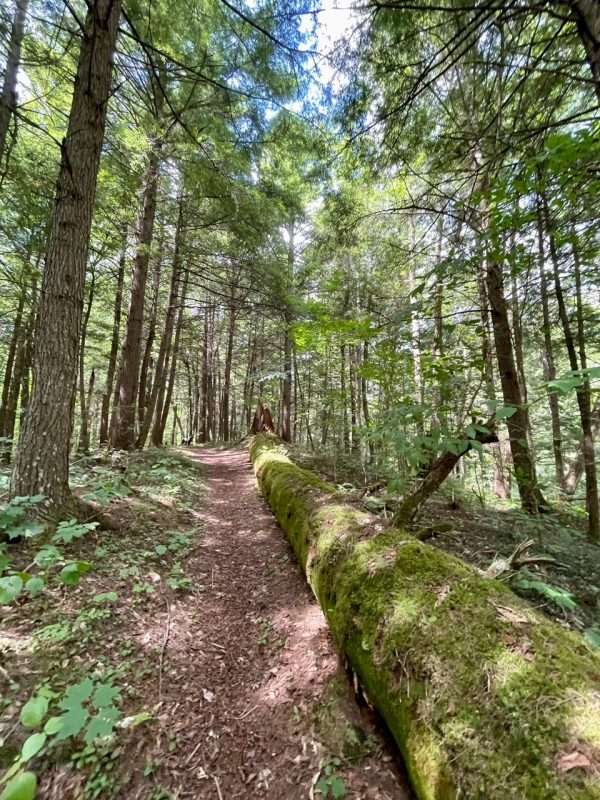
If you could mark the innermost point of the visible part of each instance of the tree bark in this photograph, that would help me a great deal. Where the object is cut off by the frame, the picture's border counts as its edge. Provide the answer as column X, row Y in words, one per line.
column 227, row 375
column 145, row 387
column 518, row 423
column 435, row 475
column 124, row 433
column 10, row 363
column 42, row 457
column 8, row 99
column 84, row 432
column 587, row 17
column 548, row 362
column 161, row 415
column 576, row 466
column 156, row 400
column 114, row 345
column 286, row 385
column 583, row 393
column 28, row 355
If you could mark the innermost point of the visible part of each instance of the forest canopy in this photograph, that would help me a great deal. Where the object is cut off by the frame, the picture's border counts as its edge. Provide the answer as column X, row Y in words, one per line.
column 380, row 222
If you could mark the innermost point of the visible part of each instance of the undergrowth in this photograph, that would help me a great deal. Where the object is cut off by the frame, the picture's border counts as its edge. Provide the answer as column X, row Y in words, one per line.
column 75, row 679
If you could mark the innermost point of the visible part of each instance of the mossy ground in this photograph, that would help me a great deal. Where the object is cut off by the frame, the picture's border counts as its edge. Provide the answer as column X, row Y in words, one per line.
column 485, row 697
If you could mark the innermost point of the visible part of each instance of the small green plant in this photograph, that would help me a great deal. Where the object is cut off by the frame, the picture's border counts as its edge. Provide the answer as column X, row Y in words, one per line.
column 86, row 710
column 553, row 594
column 14, row 525
column 177, row 579
column 266, row 629
column 592, row 637
column 13, row 518
column 70, row 530
column 330, row 784
column 106, row 492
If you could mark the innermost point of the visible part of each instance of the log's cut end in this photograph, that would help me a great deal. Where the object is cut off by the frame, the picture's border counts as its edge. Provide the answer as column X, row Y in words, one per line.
column 484, row 696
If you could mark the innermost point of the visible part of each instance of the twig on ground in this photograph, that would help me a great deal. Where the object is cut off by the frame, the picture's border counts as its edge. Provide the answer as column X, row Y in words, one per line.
column 246, row 713
column 163, row 649
column 194, row 751
column 217, row 784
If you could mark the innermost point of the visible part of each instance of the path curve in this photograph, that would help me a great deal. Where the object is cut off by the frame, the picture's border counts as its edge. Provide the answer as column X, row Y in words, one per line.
column 262, row 661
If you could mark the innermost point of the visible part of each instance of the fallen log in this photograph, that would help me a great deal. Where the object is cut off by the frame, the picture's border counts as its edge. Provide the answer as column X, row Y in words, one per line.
column 484, row 696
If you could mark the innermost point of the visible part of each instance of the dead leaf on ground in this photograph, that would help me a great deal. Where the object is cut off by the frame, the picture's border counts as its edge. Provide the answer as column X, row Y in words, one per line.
column 574, row 760
column 512, row 615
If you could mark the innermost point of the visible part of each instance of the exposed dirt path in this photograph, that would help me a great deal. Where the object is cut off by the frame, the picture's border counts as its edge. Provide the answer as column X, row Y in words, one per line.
column 251, row 667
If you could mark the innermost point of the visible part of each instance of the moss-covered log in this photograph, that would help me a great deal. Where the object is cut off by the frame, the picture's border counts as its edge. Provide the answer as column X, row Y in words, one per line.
column 485, row 697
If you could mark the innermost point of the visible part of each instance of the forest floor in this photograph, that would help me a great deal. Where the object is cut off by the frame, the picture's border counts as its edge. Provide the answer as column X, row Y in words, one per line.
column 480, row 530
column 196, row 612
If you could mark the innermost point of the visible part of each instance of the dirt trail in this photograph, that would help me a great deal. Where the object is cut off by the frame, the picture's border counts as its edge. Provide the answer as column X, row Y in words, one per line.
column 250, row 665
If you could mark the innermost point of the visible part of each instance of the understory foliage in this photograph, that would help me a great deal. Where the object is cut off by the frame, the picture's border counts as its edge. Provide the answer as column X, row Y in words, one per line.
column 69, row 702
column 392, row 244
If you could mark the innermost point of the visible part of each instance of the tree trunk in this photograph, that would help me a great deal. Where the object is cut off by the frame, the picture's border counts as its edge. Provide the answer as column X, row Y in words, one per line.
column 205, row 376
column 42, row 457
column 28, row 355
column 227, row 376
column 8, row 99
column 576, row 466
column 123, row 433
column 583, row 393
column 144, row 388
column 156, row 401
column 10, row 363
column 286, row 385
column 354, row 411
column 114, row 345
column 345, row 422
column 435, row 475
column 84, row 432
column 364, row 386
column 518, row 423
column 548, row 362
column 587, row 17
column 160, row 419
column 19, row 367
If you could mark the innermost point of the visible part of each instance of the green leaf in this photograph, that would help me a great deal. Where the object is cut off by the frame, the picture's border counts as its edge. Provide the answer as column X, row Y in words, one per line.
column 106, row 597
column 160, row 550
column 71, row 529
column 33, row 745
column 138, row 719
column 505, row 412
column 47, row 556
column 561, row 598
column 53, row 726
column 71, row 573
column 105, row 695
column 338, row 788
column 72, row 723
column 77, row 694
column 22, row 787
column 4, row 562
column 592, row 637
column 35, row 585
column 101, row 725
column 34, row 711
column 10, row 589
column 26, row 530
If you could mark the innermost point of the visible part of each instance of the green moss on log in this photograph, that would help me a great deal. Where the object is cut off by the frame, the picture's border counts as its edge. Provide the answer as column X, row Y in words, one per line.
column 485, row 697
